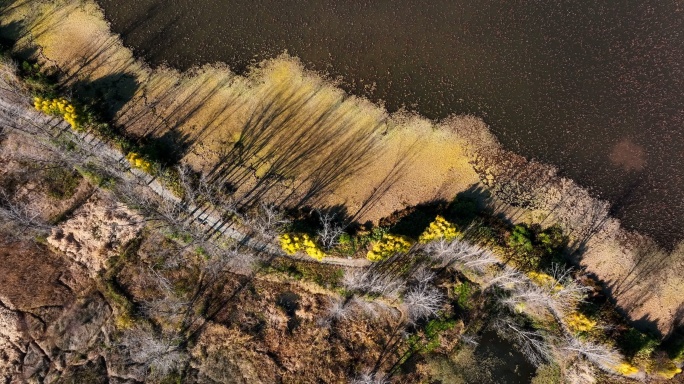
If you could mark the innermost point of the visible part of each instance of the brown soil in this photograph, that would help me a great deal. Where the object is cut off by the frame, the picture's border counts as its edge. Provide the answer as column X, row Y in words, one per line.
column 31, row 277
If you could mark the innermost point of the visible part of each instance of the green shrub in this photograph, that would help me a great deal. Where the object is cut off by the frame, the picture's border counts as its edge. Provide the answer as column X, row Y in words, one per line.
column 521, row 239
column 62, row 182
column 39, row 82
column 531, row 246
column 547, row 374
column 464, row 292
column 95, row 177
column 551, row 239
column 344, row 239
column 427, row 340
column 637, row 345
column 464, row 209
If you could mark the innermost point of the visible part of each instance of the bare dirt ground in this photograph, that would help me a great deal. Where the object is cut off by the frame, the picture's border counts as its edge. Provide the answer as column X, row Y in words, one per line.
column 30, row 278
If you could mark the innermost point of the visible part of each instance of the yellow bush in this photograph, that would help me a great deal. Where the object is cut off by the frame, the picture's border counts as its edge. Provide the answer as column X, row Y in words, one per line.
column 577, row 322
column 626, row 369
column 139, row 162
column 544, row 280
column 59, row 107
column 388, row 246
column 439, row 229
column 123, row 321
column 293, row 243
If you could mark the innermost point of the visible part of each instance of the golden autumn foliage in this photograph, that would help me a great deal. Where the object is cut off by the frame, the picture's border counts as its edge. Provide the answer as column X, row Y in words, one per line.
column 626, row 369
column 388, row 246
column 139, row 162
column 59, row 107
column 544, row 280
column 578, row 322
column 293, row 243
column 439, row 229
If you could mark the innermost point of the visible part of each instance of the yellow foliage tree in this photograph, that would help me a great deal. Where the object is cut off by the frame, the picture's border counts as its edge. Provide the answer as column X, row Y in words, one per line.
column 626, row 369
column 59, row 107
column 388, row 246
column 293, row 243
column 139, row 162
column 544, row 280
column 439, row 229
column 578, row 322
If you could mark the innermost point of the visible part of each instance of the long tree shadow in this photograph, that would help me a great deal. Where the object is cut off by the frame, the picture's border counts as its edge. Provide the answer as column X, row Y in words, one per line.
column 292, row 150
column 107, row 94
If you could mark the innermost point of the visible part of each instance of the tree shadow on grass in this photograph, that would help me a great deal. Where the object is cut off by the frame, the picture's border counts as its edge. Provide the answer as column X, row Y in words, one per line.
column 462, row 210
column 107, row 94
column 293, row 154
column 9, row 33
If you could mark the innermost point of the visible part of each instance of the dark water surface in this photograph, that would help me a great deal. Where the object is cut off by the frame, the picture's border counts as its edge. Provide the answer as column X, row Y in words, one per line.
column 595, row 88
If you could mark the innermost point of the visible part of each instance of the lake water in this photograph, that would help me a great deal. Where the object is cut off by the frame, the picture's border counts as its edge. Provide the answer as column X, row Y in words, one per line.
column 595, row 88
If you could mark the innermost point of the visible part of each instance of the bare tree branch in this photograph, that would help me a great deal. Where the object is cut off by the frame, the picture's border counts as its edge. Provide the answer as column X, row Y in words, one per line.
column 369, row 280
column 160, row 354
column 531, row 344
column 422, row 301
column 605, row 357
column 330, row 232
column 459, row 253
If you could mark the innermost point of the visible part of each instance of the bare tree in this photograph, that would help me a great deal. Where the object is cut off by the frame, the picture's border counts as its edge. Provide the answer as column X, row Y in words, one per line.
column 23, row 217
column 422, row 301
column 267, row 222
column 559, row 294
column 369, row 378
column 231, row 259
column 460, row 253
column 529, row 296
column 37, row 153
column 603, row 356
column 199, row 191
column 338, row 309
column 373, row 309
column 330, row 232
column 568, row 292
column 423, row 275
column 168, row 213
column 168, row 305
column 370, row 280
column 9, row 81
column 470, row 339
column 161, row 355
column 530, row 343
column 507, row 278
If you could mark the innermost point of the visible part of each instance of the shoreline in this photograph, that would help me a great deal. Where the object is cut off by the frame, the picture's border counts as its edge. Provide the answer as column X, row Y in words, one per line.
column 404, row 166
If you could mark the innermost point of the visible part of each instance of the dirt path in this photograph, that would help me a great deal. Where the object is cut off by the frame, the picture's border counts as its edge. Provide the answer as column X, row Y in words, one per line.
column 13, row 110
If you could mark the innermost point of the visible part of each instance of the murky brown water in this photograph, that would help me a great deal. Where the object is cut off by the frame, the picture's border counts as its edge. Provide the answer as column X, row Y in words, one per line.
column 596, row 89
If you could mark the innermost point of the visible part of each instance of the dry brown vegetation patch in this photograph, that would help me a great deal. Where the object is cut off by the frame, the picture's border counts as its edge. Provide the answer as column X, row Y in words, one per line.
column 95, row 232
column 30, row 277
